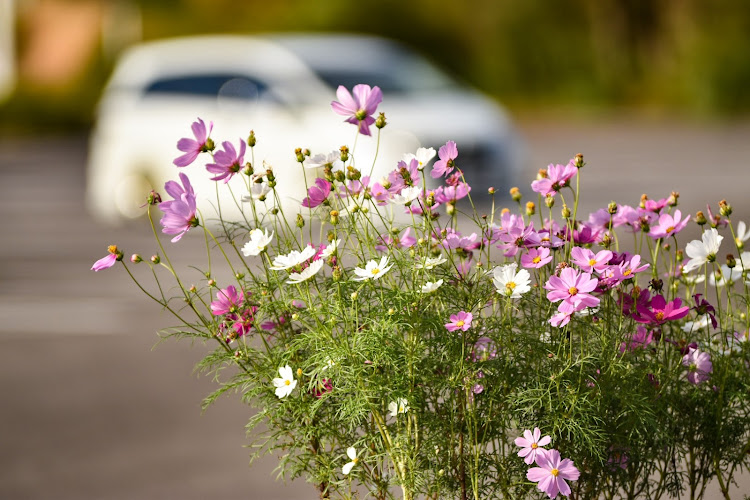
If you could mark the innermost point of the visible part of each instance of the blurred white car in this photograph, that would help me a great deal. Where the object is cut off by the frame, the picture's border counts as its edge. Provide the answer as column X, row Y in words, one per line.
column 281, row 88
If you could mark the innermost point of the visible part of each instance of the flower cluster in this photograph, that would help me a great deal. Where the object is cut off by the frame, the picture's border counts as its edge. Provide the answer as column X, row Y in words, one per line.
column 391, row 336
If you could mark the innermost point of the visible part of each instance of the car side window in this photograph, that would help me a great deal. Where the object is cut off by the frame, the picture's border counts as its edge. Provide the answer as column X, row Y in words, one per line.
column 211, row 85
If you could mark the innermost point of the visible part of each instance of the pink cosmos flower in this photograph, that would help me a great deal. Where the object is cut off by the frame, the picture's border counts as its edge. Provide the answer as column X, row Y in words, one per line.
column 447, row 162
column 536, row 258
column 317, row 194
column 659, row 311
column 588, row 261
column 669, row 225
column 193, row 147
column 572, row 287
column 629, row 268
column 558, row 176
column 406, row 240
column 699, row 366
column 404, row 175
column 227, row 162
column 227, row 301
column 109, row 260
column 460, row 321
column 359, row 108
column 179, row 213
column 484, row 349
column 454, row 240
column 552, row 473
column 640, row 339
column 532, row 445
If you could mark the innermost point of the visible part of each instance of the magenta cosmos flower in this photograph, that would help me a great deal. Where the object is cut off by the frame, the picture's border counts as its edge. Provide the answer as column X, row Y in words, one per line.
column 193, row 147
column 179, row 214
column 532, row 445
column 227, row 162
column 552, row 473
column 227, row 301
column 360, row 107
column 317, row 194
column 572, row 287
column 109, row 260
column 460, row 321
column 447, row 162
column 659, row 311
column 699, row 366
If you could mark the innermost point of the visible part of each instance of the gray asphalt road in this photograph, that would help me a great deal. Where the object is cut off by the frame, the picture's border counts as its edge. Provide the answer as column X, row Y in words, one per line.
column 89, row 410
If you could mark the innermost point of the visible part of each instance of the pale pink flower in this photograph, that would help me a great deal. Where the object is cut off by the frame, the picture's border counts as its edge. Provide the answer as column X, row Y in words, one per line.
column 573, row 288
column 669, row 225
column 558, row 176
column 698, row 364
column 536, row 257
column 447, row 162
column 532, row 445
column 193, row 147
column 588, row 261
column 179, row 213
column 227, row 301
column 227, row 162
column 552, row 473
column 360, row 107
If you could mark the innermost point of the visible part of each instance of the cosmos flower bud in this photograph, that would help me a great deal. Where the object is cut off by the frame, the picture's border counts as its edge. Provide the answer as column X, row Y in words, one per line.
column 541, row 174
column 515, row 194
column 344, row 150
column 298, row 154
column 306, row 151
column 336, row 273
column 239, row 276
column 155, row 259
column 334, row 217
column 672, row 200
column 153, row 198
column 549, row 201
column 248, row 170
column 700, row 218
column 725, row 209
column 612, row 208
column 491, row 190
column 565, row 212
column 340, row 176
column 135, row 258
column 353, row 296
column 530, row 208
column 579, row 160
column 731, row 262
column 606, row 240
column 380, row 121
column 450, row 208
column 300, row 221
column 679, row 255
column 251, row 140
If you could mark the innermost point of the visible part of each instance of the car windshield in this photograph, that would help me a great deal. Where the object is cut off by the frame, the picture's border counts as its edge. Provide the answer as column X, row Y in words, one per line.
column 390, row 66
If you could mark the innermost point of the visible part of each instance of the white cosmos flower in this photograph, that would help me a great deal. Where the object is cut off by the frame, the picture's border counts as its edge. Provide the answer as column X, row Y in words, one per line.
column 401, row 405
column 258, row 242
column 329, row 364
column 258, row 190
column 700, row 323
column 373, row 269
column 423, row 156
column 407, row 195
column 286, row 383
column 351, row 452
column 307, row 273
column 430, row 262
column 511, row 283
column 726, row 277
column 430, row 287
column 293, row 258
column 743, row 262
column 322, row 160
column 330, row 249
column 703, row 251
column 741, row 235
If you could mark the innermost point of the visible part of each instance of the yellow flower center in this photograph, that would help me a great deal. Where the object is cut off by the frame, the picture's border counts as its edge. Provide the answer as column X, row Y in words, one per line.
column 670, row 229
column 459, row 323
column 659, row 315
column 554, row 472
column 628, row 272
column 355, row 460
column 536, row 260
column 510, row 286
column 592, row 262
column 375, row 271
column 534, row 446
column 287, row 382
column 572, row 290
